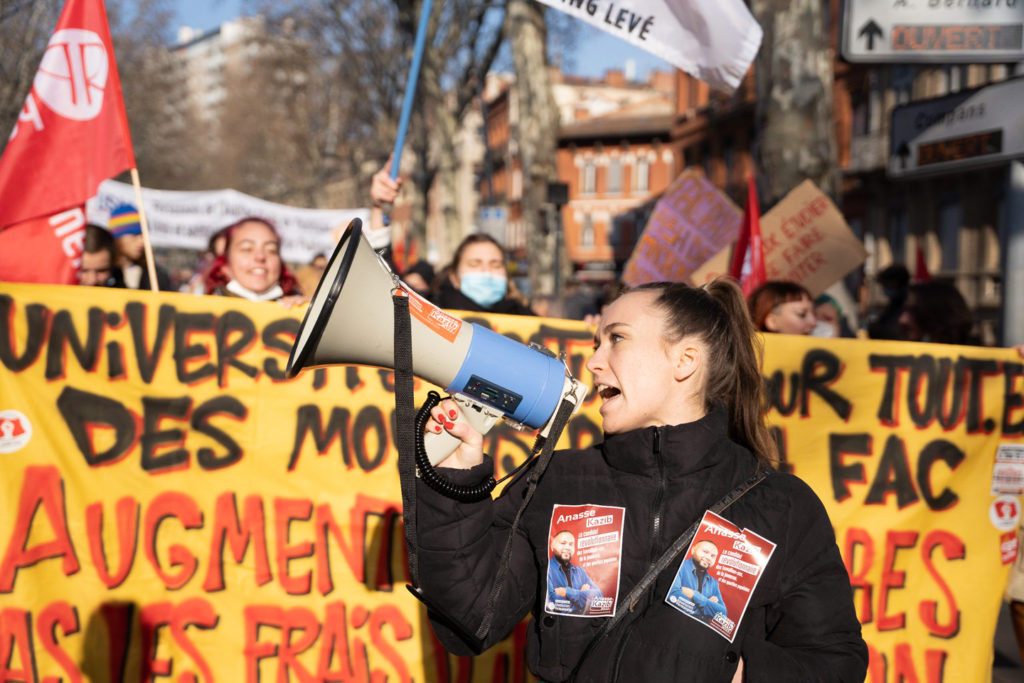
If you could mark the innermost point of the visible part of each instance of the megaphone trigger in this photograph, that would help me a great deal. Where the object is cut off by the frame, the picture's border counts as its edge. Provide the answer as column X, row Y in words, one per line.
column 479, row 416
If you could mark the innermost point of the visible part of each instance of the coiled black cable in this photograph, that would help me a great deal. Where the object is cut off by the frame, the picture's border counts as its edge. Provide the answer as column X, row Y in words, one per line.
column 430, row 476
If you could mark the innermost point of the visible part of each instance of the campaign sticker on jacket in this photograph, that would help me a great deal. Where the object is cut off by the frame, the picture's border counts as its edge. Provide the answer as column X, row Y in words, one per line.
column 584, row 556
column 718, row 574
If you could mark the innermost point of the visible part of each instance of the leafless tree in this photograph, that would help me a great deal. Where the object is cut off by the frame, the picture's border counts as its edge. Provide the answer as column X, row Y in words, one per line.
column 25, row 28
column 162, row 126
column 797, row 138
column 537, row 136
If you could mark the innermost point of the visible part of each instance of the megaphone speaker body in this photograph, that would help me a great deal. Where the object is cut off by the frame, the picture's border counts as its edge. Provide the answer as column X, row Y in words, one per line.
column 350, row 321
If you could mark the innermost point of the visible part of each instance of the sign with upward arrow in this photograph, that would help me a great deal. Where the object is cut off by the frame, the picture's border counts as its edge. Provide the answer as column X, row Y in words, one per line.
column 870, row 31
column 909, row 31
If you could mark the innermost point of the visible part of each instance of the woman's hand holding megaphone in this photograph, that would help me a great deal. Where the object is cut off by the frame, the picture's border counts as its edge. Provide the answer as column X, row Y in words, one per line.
column 446, row 417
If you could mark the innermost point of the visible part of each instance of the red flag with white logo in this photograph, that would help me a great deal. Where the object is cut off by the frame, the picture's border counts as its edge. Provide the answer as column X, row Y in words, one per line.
column 748, row 256
column 71, row 135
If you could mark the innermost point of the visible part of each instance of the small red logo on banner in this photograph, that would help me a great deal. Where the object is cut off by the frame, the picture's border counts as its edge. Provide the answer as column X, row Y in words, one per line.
column 1008, row 547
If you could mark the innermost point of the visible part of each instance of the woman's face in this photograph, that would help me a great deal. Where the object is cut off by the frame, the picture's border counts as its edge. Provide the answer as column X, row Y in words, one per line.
column 637, row 373
column 479, row 257
column 792, row 317
column 253, row 258
column 827, row 313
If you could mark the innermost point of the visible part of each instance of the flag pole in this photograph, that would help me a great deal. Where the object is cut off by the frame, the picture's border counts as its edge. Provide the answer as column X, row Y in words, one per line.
column 410, row 88
column 410, row 95
column 150, row 262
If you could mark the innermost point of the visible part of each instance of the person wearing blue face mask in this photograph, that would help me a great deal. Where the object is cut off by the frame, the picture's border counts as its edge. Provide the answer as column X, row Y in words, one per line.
column 477, row 280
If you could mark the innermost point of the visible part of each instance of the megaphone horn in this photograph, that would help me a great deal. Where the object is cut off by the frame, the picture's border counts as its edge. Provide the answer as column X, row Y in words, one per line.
column 349, row 322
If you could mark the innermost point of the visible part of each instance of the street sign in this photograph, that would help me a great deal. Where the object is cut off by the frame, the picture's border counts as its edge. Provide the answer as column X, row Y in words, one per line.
column 493, row 221
column 972, row 128
column 933, row 31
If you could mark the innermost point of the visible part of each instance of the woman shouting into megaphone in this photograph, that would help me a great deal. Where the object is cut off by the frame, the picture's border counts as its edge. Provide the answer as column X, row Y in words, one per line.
column 671, row 551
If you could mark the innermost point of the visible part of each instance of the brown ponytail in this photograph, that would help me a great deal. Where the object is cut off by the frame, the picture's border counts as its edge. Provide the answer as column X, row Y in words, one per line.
column 717, row 314
column 740, row 375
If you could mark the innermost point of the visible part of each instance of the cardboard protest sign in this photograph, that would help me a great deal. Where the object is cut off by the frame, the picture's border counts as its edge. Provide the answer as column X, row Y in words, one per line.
column 806, row 240
column 691, row 221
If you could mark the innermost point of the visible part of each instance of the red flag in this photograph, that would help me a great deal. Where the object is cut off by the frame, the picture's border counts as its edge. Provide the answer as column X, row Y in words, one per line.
column 921, row 273
column 750, row 236
column 71, row 135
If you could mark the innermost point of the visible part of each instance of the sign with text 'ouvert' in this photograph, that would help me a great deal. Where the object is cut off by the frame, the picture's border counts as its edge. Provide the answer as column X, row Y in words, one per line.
column 173, row 508
column 933, row 31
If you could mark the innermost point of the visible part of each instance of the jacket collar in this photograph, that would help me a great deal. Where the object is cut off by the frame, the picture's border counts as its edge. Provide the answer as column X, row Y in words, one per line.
column 685, row 448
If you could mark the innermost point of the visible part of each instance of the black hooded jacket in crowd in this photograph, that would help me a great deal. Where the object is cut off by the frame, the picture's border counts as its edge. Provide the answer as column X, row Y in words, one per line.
column 800, row 624
column 448, row 296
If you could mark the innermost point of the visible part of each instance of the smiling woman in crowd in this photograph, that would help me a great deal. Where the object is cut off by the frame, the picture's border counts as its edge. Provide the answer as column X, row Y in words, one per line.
column 251, row 266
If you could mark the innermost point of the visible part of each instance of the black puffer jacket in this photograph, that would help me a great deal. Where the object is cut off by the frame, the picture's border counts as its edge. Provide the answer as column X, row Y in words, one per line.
column 800, row 624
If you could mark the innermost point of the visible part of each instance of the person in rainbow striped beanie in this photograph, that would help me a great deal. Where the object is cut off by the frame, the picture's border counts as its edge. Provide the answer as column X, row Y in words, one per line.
column 124, row 225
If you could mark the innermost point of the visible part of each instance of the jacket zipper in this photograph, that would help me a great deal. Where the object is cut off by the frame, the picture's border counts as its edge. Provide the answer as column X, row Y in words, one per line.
column 659, row 501
column 657, row 514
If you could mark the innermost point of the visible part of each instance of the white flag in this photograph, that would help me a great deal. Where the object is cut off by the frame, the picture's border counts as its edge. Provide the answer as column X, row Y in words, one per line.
column 713, row 40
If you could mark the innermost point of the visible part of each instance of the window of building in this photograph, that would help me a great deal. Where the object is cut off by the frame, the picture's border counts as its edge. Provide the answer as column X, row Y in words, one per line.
column 861, row 114
column 587, row 232
column 898, row 234
column 643, row 175
column 875, row 104
column 951, row 216
column 615, row 175
column 689, row 157
column 589, row 177
column 956, row 75
column 728, row 157
column 902, row 76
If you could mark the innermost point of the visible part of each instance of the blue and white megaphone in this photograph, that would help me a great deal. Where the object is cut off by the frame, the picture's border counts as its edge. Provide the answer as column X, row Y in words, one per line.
column 350, row 322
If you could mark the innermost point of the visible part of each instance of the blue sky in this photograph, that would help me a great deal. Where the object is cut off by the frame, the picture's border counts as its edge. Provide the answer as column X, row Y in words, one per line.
column 597, row 51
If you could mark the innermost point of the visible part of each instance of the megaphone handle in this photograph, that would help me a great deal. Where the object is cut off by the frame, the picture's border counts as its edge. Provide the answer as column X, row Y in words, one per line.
column 479, row 416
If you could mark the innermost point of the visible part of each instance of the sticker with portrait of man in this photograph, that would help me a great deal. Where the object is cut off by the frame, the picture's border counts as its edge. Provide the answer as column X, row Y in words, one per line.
column 584, row 556
column 718, row 574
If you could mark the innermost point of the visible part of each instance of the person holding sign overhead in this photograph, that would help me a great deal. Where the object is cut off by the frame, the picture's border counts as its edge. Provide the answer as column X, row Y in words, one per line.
column 677, row 370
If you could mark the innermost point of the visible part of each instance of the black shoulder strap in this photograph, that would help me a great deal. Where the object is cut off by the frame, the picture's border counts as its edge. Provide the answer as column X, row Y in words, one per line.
column 628, row 603
column 404, row 430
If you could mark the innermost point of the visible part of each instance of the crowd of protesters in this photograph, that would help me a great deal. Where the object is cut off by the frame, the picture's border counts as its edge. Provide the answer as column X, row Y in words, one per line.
column 244, row 260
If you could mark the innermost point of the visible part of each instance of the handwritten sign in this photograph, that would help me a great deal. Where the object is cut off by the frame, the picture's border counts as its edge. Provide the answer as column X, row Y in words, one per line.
column 806, row 240
column 691, row 221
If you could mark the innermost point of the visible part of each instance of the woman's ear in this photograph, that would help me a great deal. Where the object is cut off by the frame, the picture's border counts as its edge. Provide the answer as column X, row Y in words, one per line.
column 771, row 322
column 689, row 357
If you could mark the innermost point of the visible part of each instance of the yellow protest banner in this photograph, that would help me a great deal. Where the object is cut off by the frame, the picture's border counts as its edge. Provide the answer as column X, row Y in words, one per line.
column 173, row 508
